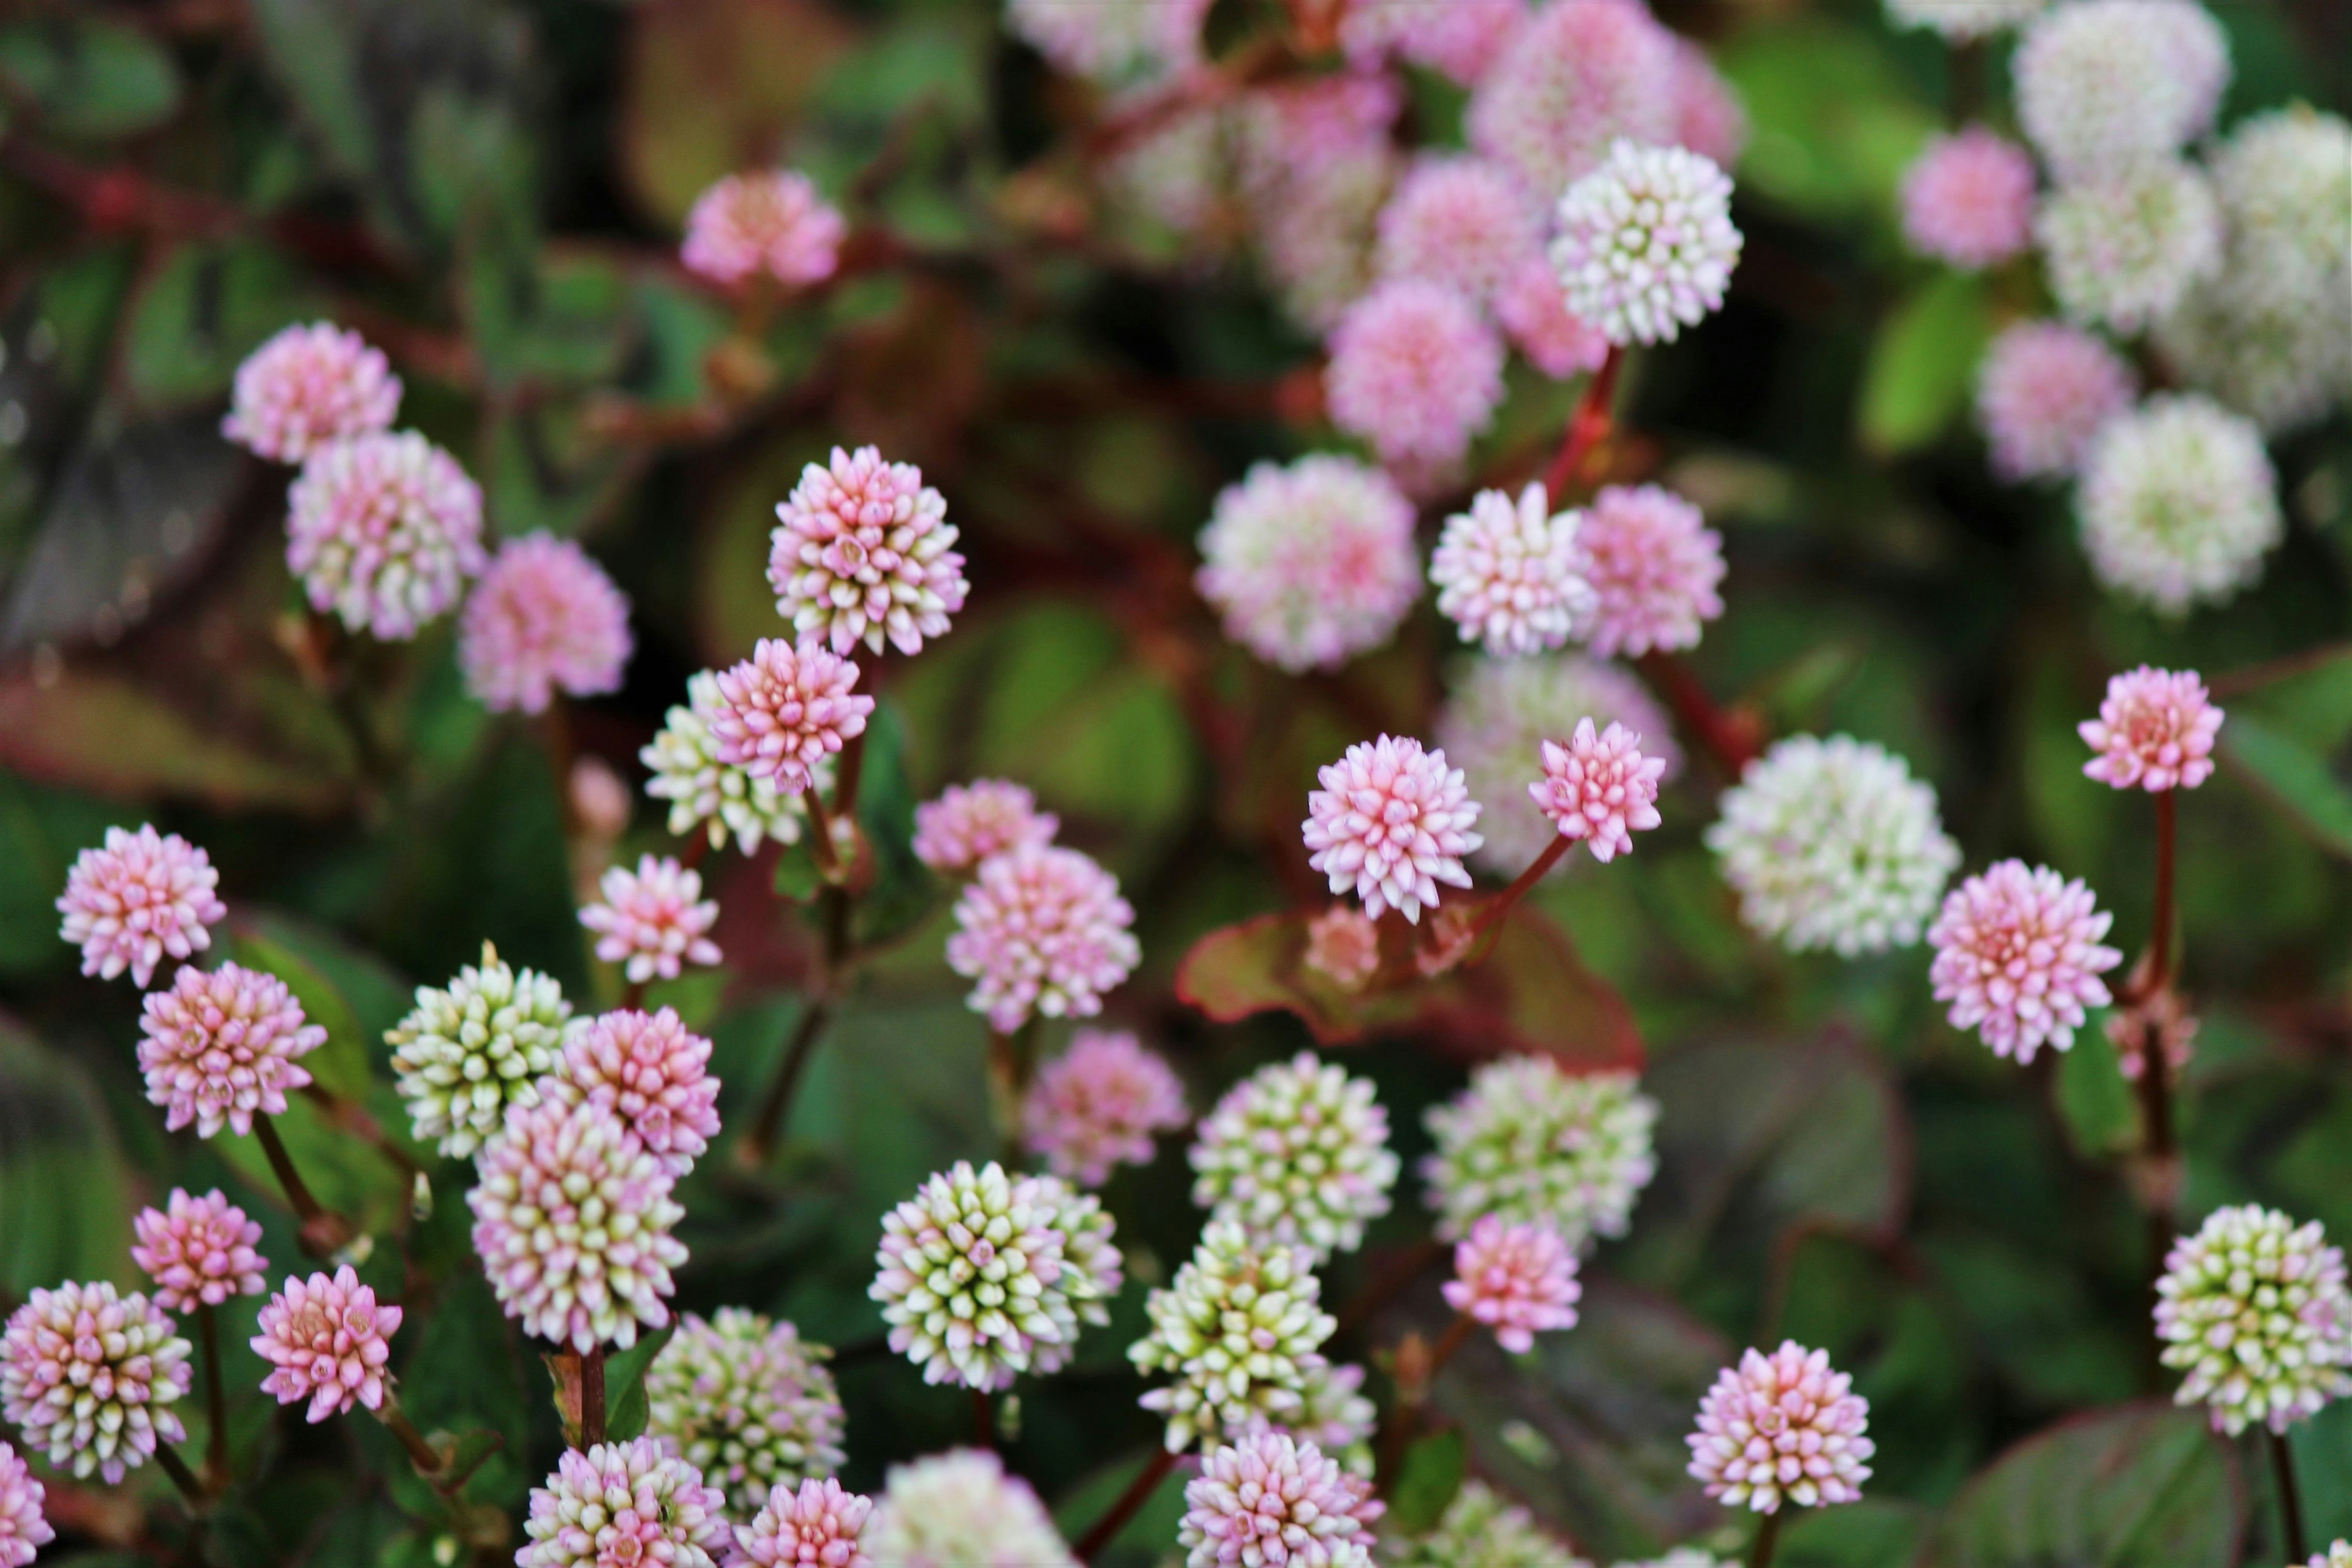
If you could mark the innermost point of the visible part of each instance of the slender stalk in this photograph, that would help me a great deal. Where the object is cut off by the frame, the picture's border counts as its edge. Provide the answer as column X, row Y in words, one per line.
column 592, row 1396
column 752, row 1152
column 215, row 1399
column 321, row 1233
column 429, row 1460
column 2298, row 1547
column 984, row 1419
column 1759, row 1555
column 1725, row 741
column 1103, row 1531
column 181, row 1477
column 1586, row 427
column 850, row 768
column 2160, row 939
column 828, row 861
column 2155, row 1057
column 1500, row 904
column 1008, row 1083
column 1451, row 1340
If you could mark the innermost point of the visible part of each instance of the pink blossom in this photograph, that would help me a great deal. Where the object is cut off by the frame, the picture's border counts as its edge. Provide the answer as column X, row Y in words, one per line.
column 383, row 530
column 2155, row 730
column 1533, row 310
column 2019, row 958
column 2043, row 391
column 90, row 1378
column 1508, row 573
column 1782, row 1427
column 136, row 898
column 221, row 1046
column 325, row 1340
column 1414, row 372
column 653, row 920
column 600, row 802
column 1653, row 564
column 1517, row 1279
column 1310, row 565
column 1042, row 929
column 199, row 1251
column 652, row 1072
column 770, row 224
column 860, row 552
column 22, row 1528
column 1579, row 76
column 1267, row 1500
column 969, row 823
column 1709, row 119
column 786, row 708
column 1343, row 945
column 1097, row 1104
column 1464, row 223
column 1968, row 199
column 625, row 1505
column 1600, row 789
column 1457, row 38
column 815, row 1526
column 543, row 619
column 308, row 387
column 1390, row 822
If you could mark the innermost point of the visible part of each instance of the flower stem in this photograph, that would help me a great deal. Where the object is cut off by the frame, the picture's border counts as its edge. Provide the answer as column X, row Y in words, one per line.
column 1008, row 1082
column 1760, row 1554
column 1722, row 736
column 591, row 1395
column 2160, row 940
column 322, row 1234
column 216, row 1400
column 752, row 1152
column 429, row 1460
column 1456, row 1334
column 1586, row 427
column 1138, row 1491
column 2298, row 1549
column 1500, row 904
column 181, row 1477
column 983, row 1420
column 828, row 862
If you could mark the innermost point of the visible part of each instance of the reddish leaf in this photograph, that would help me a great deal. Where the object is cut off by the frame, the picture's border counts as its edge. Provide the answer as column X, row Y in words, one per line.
column 102, row 733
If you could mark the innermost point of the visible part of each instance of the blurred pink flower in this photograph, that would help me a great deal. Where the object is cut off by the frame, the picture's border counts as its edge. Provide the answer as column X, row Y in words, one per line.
column 199, row 1251
column 1267, row 1488
column 308, row 387
column 1968, row 199
column 22, row 1527
column 1782, row 1427
column 1464, row 223
column 2018, row 956
column 1577, row 77
column 1042, row 929
column 137, row 897
column 1460, row 39
column 2043, row 392
column 770, row 224
column 653, row 1072
column 1517, row 1279
column 653, row 920
column 1600, row 788
column 1390, row 822
column 815, row 1527
column 1653, row 564
column 1343, row 945
column 1097, row 1104
column 1709, row 119
column 1414, row 372
column 969, row 823
column 2154, row 732
column 786, row 708
column 543, row 619
column 861, row 551
column 1312, row 563
column 221, row 1046
column 383, row 530
column 325, row 1340
column 1533, row 310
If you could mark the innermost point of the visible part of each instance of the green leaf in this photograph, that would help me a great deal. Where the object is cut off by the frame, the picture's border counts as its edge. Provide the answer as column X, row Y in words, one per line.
column 341, row 1066
column 88, row 78
column 463, row 1376
column 41, row 832
column 1922, row 362
column 200, row 312
column 65, row 1198
column 798, row 880
column 2297, row 779
column 1834, row 124
column 1427, row 1481
column 2094, row 1097
column 624, row 1385
column 1867, row 1534
column 903, row 887
column 109, row 734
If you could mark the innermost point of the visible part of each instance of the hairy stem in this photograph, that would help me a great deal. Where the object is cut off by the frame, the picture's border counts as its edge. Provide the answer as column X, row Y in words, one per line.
column 322, row 1234
column 1500, row 904
column 828, row 861
column 1138, row 1491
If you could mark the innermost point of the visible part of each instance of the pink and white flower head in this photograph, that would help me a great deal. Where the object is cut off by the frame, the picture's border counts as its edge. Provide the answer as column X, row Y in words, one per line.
column 1042, row 929
column 22, row 1527
column 90, row 1378
column 970, row 822
column 1316, row 164
column 383, row 530
column 786, row 708
column 1600, row 789
column 1126, row 44
column 1343, row 945
column 2178, row 503
column 1510, row 574
column 1579, row 74
column 772, row 223
column 221, row 1046
column 1654, row 566
column 136, row 898
column 1097, row 1104
column 2103, row 85
column 960, row 1508
column 1310, row 565
column 1415, row 371
column 625, row 1505
column 2018, row 955
column 653, row 1072
column 199, row 1251
column 544, row 618
column 1782, row 1428
column 1646, row 244
column 1517, row 1279
column 1298, row 1156
column 308, row 387
column 1267, row 1499
column 573, row 1218
column 1532, row 310
column 1464, row 223
column 2129, row 250
column 1708, row 117
column 2043, row 391
column 1968, row 199
column 325, row 1340
column 816, row 1526
column 2255, row 1311
column 2339, row 1555
column 1390, row 822
column 861, row 551
column 2154, row 732
column 1460, row 39
column 653, row 920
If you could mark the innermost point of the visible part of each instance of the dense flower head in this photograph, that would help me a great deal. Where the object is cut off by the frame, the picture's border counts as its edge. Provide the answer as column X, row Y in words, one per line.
column 1532, row 310
column 1479, row 1529
column 860, row 552
column 2125, row 250
column 1709, row 119
column 221, row 1046
column 2281, row 177
column 1458, row 39
column 718, row 798
column 1332, row 1413
column 1968, row 199
column 2043, row 390
column 1654, row 566
column 1464, row 223
column 960, row 1510
column 544, row 618
column 1266, row 1500
column 325, row 1340
column 1834, row 844
column 383, row 530
column 747, row 1402
column 573, row 1218
column 1297, row 1154
column 2018, row 955
column 22, row 1527
column 2102, row 85
column 1237, row 1331
column 970, row 822
column 1517, row 1279
column 1961, row 20
column 1782, row 1428
column 1125, row 45
column 1390, row 822
column 1343, row 946
column 652, row 920
column 137, row 897
column 90, row 1378
column 1509, row 574
column 1097, row 1104
column 2254, row 1308
column 1316, row 163
column 1415, row 371
column 816, row 1526
column 1311, row 563
column 624, row 1505
column 2155, row 730
column 1599, row 788
column 199, row 1251
column 769, row 223
column 785, row 709
column 2178, row 503
column 1579, row 74
column 653, row 1073
column 1646, row 244
column 1042, row 929
column 1528, row 1143
column 470, row 1050
column 308, row 387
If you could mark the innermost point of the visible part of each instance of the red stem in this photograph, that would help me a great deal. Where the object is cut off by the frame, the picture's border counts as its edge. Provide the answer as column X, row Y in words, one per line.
column 592, row 1397
column 821, row 833
column 1138, row 1491
column 1726, row 741
column 2159, row 964
column 1500, row 904
column 1586, row 427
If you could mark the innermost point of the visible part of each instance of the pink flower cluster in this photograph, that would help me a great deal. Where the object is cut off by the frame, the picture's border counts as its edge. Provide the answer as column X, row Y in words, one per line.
column 326, row 1341
column 1968, row 199
column 136, row 898
column 2043, row 391
column 1532, row 310
column 625, row 1505
column 1390, row 822
column 2154, row 732
column 1042, row 929
column 1782, row 1428
column 543, row 619
column 1415, row 371
column 199, row 1251
column 383, row 530
column 1517, row 1279
column 654, row 920
column 1600, row 788
column 2018, row 956
column 1097, row 1104
column 1312, row 563
column 221, row 1047
column 815, row 1526
column 970, row 822
column 786, row 708
column 861, row 551
column 89, row 1377
column 309, row 386
column 22, row 1527
column 651, row 1072
column 1270, row 1499
column 1509, row 574
column 1654, row 566
column 769, row 225
column 1458, row 39
column 1463, row 223
column 1343, row 945
column 1580, row 75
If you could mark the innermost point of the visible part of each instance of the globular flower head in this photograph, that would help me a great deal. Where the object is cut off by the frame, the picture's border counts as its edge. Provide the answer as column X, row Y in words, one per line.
column 785, row 709
column 1332, row 1413
column 1517, row 1279
column 1510, row 574
column 544, row 618
column 2281, row 180
column 653, row 1073
column 1123, row 46
column 1312, row 563
column 620, row 1505
column 1577, row 77
column 1528, row 1143
column 750, row 1404
column 1479, row 1529
column 818, row 1526
column 90, row 1378
column 652, row 920
column 1097, row 1104
column 2102, row 85
column 2254, row 1308
column 1968, row 199
column 772, row 223
column 2178, row 503
column 199, row 1251
column 2155, row 730
column 1316, row 164
column 2018, row 956
column 861, row 551
column 1782, row 1428
column 1532, row 310
column 22, row 1527
column 308, row 387
column 221, row 1046
column 325, row 1340
column 1646, row 244
column 1460, row 39
column 1600, row 788
column 970, row 822
column 1834, row 844
column 960, row 1510
column 1390, row 822
column 717, row 797
column 1654, row 566
column 2043, row 391
column 1961, row 20
column 1343, row 946
column 1237, row 1331
column 1297, row 1154
column 1416, row 372
column 466, row 1051
column 1267, row 1499
column 136, row 898
column 383, row 530
column 573, row 1218
column 1685, row 1557
column 1042, row 929
column 2125, row 250
column 1465, row 223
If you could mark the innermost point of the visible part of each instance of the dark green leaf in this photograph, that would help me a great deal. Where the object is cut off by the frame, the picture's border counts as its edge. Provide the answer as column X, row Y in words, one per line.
column 1426, row 1481
column 64, row 1195
column 200, row 312
column 2311, row 793
column 1923, row 362
column 624, row 1385
column 90, row 78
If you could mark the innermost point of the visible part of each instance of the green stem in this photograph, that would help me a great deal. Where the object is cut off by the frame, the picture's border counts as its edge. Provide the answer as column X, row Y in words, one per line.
column 2298, row 1548
column 181, row 1477
column 1760, row 1554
